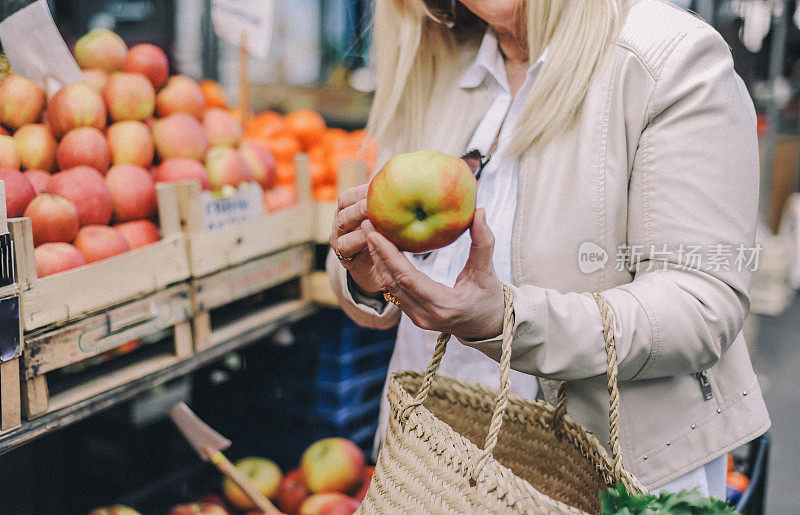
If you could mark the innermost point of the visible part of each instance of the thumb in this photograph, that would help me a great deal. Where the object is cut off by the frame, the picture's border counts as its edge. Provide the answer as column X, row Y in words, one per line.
column 482, row 248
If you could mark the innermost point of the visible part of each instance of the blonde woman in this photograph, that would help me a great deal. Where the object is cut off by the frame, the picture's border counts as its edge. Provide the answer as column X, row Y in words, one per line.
column 623, row 161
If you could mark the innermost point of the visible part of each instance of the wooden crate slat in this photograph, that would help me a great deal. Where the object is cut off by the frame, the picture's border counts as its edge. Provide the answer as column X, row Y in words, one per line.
column 255, row 321
column 72, row 294
column 252, row 277
column 210, row 251
column 104, row 331
column 10, row 408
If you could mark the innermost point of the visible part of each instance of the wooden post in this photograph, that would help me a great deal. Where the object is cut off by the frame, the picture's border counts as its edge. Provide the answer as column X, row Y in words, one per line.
column 244, row 81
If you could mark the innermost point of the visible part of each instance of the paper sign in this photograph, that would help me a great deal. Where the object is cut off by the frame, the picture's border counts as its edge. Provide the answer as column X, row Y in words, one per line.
column 35, row 48
column 234, row 18
column 246, row 204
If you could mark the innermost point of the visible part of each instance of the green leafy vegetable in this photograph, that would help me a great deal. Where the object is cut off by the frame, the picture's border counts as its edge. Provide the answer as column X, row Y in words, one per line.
column 686, row 502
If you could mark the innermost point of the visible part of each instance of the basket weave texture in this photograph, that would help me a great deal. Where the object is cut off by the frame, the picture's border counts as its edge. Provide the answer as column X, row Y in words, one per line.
column 456, row 447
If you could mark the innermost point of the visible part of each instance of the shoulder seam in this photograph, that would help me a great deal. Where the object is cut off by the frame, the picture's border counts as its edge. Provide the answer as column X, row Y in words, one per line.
column 655, row 64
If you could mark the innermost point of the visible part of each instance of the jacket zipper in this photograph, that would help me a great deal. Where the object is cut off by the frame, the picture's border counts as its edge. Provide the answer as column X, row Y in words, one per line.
column 705, row 385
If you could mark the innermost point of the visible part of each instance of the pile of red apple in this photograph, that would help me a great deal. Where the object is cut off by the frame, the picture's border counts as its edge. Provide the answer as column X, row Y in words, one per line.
column 332, row 479
column 84, row 165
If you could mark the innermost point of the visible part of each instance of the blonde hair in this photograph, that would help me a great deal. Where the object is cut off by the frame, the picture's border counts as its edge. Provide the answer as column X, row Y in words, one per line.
column 415, row 53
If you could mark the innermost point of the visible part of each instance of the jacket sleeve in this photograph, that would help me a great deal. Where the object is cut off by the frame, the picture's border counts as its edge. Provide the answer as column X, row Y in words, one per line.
column 692, row 196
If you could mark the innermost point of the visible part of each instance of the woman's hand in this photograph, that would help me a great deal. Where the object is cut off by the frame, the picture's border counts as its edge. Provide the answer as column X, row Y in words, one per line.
column 472, row 309
column 350, row 240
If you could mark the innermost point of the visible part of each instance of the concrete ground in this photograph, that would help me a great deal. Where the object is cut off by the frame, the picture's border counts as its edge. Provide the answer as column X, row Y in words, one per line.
column 776, row 358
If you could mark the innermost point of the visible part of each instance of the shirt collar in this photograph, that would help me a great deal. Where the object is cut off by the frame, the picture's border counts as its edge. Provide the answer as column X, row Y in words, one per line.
column 489, row 60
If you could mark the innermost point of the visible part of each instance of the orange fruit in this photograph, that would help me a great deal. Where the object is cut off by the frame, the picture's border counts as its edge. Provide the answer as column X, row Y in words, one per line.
column 730, row 462
column 265, row 125
column 285, row 174
column 213, row 93
column 737, row 481
column 325, row 193
column 307, row 126
column 283, row 147
column 321, row 175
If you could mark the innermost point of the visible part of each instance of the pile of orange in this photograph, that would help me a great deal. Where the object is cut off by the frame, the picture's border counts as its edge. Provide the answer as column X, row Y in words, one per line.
column 306, row 131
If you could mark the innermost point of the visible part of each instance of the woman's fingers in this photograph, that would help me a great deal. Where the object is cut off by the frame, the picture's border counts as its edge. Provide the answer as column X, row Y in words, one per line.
column 350, row 218
column 352, row 243
column 402, row 272
column 481, row 250
column 349, row 197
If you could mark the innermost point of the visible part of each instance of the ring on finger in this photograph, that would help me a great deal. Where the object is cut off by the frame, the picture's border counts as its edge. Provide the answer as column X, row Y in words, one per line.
column 339, row 255
column 390, row 298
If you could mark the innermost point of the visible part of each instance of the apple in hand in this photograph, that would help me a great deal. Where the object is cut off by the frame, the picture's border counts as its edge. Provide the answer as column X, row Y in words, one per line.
column 262, row 473
column 332, row 465
column 423, row 200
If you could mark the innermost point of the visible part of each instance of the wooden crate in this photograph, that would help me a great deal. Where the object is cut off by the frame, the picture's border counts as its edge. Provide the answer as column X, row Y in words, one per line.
column 210, row 251
column 61, row 298
column 10, row 328
column 351, row 174
column 163, row 316
column 232, row 302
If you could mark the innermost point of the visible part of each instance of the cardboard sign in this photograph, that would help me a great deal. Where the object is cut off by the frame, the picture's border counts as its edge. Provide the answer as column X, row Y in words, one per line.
column 245, row 20
column 246, row 204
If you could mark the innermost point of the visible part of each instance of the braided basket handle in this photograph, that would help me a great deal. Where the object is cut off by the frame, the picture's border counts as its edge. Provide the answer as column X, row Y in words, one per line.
column 620, row 474
column 501, row 401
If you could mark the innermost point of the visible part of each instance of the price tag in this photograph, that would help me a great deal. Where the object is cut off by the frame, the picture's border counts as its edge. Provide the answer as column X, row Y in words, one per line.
column 247, row 203
column 250, row 20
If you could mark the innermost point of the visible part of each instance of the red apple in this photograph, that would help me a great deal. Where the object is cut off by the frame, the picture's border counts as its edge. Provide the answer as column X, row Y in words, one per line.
column 131, row 143
column 84, row 146
column 133, row 192
column 206, row 508
column 262, row 473
column 52, row 258
column 96, row 79
column 21, row 101
column 340, row 506
column 102, row 49
column 226, row 167
column 99, row 242
column 332, row 464
column 19, row 192
column 76, row 105
column 262, row 163
column 39, row 179
column 86, row 188
column 292, row 492
column 181, row 95
column 182, row 169
column 280, row 198
column 9, row 157
column 36, row 147
column 366, row 480
column 422, row 201
column 53, row 219
column 222, row 128
column 139, row 233
column 129, row 96
column 180, row 135
column 315, row 504
column 150, row 61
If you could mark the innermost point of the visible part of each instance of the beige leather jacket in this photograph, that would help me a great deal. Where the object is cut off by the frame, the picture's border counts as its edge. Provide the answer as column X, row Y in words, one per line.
column 664, row 161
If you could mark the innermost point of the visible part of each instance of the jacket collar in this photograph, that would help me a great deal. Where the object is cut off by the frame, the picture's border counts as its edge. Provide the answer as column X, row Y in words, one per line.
column 489, row 61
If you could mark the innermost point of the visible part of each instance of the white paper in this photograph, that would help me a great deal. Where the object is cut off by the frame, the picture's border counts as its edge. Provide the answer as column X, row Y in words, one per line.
column 255, row 18
column 35, row 48
column 246, row 204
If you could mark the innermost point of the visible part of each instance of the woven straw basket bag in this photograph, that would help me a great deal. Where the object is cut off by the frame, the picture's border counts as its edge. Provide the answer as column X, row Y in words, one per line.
column 541, row 462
